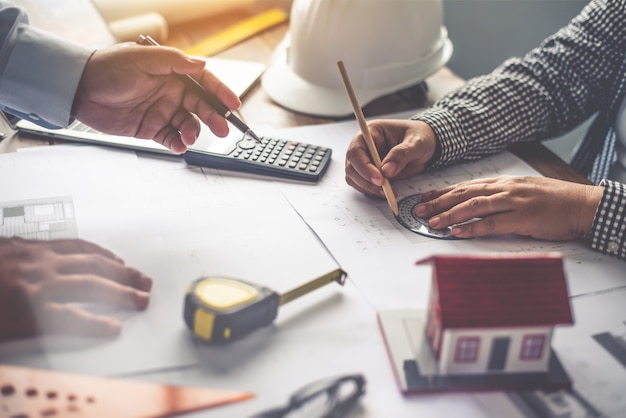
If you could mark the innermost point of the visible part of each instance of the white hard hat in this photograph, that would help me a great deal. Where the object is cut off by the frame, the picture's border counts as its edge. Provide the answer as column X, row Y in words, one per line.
column 386, row 45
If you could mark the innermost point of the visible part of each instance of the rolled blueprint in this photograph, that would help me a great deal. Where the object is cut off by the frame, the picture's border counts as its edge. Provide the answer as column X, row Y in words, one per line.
column 174, row 11
column 129, row 29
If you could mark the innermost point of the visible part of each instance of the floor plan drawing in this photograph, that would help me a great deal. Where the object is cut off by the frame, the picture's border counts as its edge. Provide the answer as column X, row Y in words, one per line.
column 44, row 219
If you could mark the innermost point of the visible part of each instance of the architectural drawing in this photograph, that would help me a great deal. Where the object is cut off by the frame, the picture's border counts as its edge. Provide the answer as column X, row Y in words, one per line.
column 554, row 404
column 614, row 344
column 44, row 219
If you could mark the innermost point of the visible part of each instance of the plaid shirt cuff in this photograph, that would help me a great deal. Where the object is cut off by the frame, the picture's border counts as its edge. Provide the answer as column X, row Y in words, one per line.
column 449, row 134
column 609, row 226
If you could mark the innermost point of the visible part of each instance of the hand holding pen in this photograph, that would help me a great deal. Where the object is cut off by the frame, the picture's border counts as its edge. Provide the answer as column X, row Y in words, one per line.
column 128, row 90
column 192, row 85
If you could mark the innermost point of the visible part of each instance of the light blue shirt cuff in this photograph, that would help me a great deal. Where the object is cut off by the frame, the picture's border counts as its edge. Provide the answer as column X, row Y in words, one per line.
column 42, row 75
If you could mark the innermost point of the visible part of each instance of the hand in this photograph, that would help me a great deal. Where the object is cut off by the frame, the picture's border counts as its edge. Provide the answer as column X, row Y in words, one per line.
column 532, row 206
column 129, row 90
column 405, row 148
column 38, row 280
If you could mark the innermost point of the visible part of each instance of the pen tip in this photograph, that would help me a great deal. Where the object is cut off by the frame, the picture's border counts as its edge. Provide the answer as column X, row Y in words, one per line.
column 253, row 136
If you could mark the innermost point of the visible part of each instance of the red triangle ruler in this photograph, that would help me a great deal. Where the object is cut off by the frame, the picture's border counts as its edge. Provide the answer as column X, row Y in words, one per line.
column 44, row 393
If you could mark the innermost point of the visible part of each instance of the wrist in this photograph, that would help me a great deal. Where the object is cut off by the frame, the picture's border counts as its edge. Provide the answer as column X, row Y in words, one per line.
column 82, row 86
column 436, row 154
column 593, row 197
column 433, row 144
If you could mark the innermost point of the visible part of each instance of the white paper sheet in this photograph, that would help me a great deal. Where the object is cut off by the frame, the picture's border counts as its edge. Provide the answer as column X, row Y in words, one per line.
column 175, row 224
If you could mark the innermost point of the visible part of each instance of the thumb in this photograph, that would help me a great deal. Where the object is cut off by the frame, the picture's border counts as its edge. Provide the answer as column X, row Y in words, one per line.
column 174, row 61
column 396, row 160
column 411, row 156
column 164, row 60
column 403, row 160
column 389, row 169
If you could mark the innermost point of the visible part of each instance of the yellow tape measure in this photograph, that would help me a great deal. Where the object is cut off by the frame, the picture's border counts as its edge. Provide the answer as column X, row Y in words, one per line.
column 237, row 33
column 221, row 309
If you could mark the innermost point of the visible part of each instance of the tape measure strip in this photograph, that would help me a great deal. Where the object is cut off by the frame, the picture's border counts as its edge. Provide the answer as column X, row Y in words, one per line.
column 337, row 275
column 237, row 33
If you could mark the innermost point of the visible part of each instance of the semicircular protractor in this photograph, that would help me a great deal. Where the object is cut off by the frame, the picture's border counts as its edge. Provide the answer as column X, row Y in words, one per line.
column 406, row 217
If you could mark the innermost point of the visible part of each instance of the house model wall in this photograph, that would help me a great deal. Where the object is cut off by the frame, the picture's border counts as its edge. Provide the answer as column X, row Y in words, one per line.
column 495, row 313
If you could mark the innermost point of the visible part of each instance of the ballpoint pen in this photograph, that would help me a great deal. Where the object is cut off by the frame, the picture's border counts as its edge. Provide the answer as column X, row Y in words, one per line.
column 191, row 84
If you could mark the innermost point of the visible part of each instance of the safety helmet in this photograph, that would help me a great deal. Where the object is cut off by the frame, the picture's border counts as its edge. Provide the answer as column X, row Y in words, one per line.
column 386, row 45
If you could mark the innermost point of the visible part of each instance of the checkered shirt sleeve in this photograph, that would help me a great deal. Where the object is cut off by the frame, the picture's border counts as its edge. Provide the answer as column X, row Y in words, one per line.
column 544, row 94
column 549, row 91
column 609, row 226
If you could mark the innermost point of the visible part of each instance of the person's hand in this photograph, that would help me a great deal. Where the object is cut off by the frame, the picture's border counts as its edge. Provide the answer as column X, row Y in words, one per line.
column 42, row 283
column 129, row 90
column 532, row 206
column 405, row 148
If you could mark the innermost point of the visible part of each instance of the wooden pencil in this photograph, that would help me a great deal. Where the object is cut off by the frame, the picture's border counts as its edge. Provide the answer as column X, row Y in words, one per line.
column 358, row 112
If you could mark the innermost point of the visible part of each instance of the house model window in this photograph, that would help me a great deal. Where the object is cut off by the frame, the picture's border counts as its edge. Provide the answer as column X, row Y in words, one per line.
column 466, row 349
column 532, row 347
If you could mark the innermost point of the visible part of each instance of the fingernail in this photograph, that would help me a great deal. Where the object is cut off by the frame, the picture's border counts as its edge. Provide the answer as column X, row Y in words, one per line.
column 420, row 210
column 112, row 328
column 141, row 299
column 377, row 181
column 389, row 169
column 456, row 231
column 434, row 222
column 145, row 282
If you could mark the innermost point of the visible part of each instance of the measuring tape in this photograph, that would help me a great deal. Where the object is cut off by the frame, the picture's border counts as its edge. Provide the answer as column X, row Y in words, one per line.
column 221, row 309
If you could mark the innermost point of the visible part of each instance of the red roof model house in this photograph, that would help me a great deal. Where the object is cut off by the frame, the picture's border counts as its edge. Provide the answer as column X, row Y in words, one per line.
column 495, row 314
column 488, row 325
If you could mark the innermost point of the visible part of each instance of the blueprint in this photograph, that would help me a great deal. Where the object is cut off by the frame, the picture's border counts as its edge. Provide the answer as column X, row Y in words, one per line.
column 45, row 219
column 362, row 233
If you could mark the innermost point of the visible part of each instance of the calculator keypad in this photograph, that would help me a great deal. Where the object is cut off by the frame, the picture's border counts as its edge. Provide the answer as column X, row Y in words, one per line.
column 282, row 153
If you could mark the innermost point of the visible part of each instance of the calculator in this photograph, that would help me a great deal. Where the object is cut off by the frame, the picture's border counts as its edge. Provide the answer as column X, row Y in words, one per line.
column 271, row 157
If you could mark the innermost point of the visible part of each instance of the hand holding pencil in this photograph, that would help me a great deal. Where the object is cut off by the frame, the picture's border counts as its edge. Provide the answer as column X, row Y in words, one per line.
column 358, row 112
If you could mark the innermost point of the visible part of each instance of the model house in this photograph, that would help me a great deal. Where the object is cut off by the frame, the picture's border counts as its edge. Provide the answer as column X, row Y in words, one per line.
column 495, row 314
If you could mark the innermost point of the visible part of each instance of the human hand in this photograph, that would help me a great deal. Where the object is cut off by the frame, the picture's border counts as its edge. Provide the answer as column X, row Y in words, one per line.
column 539, row 207
column 405, row 147
column 129, row 90
column 40, row 279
